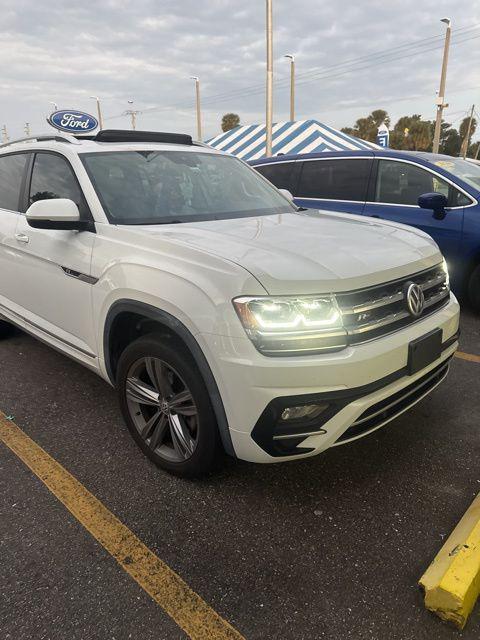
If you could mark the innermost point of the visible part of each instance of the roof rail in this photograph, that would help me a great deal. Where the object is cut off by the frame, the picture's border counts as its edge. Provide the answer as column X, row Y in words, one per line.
column 42, row 138
column 124, row 135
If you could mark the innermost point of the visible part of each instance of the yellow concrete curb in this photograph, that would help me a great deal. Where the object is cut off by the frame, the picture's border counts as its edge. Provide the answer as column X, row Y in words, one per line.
column 452, row 582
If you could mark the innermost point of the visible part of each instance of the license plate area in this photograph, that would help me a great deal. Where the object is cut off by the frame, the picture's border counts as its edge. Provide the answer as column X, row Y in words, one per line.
column 423, row 351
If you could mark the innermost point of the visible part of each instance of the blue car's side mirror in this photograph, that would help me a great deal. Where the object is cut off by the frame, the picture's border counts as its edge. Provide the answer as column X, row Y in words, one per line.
column 436, row 202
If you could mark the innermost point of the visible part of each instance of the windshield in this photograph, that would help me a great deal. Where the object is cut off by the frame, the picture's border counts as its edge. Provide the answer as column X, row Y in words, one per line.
column 161, row 187
column 469, row 172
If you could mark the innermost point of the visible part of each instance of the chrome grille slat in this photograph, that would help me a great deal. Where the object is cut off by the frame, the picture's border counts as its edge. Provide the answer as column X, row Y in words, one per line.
column 376, row 311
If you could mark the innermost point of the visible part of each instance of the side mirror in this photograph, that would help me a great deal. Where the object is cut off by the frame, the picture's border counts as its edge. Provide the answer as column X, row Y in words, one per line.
column 436, row 202
column 55, row 213
column 287, row 194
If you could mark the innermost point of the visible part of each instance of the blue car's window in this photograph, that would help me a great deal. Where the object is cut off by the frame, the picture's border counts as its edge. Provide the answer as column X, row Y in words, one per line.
column 469, row 172
column 335, row 179
column 402, row 183
column 279, row 173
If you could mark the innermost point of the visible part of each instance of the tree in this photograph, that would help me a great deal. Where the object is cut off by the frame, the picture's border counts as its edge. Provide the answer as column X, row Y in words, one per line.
column 366, row 128
column 412, row 133
column 230, row 121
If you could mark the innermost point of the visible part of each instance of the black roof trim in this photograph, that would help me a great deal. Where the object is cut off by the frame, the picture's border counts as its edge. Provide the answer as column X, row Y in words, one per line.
column 122, row 135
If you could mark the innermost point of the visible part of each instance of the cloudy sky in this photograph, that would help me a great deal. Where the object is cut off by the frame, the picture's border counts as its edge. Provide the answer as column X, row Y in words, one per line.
column 351, row 57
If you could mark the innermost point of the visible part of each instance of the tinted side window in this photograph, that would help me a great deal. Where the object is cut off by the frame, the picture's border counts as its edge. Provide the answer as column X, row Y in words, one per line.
column 335, row 179
column 11, row 174
column 279, row 173
column 403, row 183
column 52, row 177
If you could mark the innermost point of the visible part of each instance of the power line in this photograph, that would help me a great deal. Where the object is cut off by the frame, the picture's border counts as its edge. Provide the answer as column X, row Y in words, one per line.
column 314, row 75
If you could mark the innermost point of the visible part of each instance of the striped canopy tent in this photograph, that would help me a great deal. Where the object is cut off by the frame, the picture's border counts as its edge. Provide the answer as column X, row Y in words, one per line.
column 301, row 136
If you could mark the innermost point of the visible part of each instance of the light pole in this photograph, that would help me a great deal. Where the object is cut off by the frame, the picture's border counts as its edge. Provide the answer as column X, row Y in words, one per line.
column 197, row 102
column 269, row 91
column 99, row 111
column 291, row 57
column 441, row 92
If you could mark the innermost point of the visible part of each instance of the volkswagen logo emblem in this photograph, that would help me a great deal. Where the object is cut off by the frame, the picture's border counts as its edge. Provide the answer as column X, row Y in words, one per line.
column 415, row 299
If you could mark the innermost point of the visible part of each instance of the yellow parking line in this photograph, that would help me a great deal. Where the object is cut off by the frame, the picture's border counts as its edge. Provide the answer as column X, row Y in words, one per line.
column 452, row 582
column 190, row 612
column 467, row 356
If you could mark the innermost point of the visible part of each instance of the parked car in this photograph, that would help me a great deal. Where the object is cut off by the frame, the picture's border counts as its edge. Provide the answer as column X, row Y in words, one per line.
column 222, row 314
column 398, row 186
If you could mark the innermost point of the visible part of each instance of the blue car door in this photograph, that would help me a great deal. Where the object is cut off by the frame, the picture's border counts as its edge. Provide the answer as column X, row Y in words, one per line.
column 394, row 192
column 334, row 183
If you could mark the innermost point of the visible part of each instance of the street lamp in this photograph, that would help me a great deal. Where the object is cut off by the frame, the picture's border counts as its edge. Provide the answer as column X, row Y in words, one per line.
column 441, row 92
column 99, row 111
column 291, row 57
column 197, row 100
column 269, row 91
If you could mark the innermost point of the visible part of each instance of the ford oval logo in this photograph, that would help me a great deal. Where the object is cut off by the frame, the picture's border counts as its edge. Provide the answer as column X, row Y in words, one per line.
column 73, row 121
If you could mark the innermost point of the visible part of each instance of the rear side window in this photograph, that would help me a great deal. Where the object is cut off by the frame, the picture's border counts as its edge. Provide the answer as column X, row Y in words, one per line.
column 335, row 179
column 402, row 183
column 11, row 175
column 281, row 174
column 53, row 177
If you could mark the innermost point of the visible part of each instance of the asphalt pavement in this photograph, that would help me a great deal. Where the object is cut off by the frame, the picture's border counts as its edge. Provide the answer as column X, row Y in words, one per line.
column 329, row 547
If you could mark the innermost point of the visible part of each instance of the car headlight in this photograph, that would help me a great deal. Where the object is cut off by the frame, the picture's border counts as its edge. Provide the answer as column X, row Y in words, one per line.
column 292, row 325
column 447, row 275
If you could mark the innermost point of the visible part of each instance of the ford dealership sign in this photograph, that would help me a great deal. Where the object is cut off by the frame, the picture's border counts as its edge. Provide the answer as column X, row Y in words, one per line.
column 73, row 121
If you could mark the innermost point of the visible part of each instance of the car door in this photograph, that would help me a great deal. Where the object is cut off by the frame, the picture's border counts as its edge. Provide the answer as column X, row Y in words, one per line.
column 394, row 196
column 13, row 167
column 53, row 282
column 335, row 183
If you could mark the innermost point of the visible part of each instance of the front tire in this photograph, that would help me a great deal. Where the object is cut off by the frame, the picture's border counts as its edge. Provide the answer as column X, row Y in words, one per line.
column 166, row 406
column 474, row 289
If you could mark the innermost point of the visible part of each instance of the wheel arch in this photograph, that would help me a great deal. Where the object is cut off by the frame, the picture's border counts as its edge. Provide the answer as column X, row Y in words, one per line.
column 159, row 318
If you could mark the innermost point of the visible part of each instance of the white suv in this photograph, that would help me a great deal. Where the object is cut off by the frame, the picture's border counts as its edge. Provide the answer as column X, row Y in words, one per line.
column 224, row 316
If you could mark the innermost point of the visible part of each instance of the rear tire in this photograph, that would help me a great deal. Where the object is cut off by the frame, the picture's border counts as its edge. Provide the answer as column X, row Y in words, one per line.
column 166, row 406
column 474, row 289
column 6, row 329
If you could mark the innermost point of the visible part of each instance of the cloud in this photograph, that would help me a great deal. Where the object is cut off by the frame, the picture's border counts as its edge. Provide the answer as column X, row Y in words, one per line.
column 147, row 51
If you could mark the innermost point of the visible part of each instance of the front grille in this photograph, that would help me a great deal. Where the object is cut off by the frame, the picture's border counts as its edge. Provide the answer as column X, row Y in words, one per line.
column 376, row 311
column 388, row 409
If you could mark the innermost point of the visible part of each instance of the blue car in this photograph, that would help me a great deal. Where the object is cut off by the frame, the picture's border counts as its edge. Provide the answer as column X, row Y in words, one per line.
column 436, row 193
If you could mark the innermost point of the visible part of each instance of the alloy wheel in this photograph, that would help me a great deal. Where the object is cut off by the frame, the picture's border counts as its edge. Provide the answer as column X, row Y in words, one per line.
column 162, row 408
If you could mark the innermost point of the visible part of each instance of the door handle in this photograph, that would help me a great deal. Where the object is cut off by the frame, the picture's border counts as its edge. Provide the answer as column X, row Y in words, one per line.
column 21, row 237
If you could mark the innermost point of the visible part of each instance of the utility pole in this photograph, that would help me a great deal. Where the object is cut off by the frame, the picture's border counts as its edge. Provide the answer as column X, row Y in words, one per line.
column 133, row 115
column 5, row 137
column 269, row 92
column 99, row 111
column 441, row 93
column 198, row 107
column 466, row 140
column 27, row 129
column 291, row 57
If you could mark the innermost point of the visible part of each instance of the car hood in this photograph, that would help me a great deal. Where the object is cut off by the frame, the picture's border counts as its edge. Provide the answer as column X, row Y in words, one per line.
column 311, row 251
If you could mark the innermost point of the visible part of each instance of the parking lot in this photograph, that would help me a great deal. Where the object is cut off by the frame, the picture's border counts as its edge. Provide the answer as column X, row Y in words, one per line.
column 330, row 547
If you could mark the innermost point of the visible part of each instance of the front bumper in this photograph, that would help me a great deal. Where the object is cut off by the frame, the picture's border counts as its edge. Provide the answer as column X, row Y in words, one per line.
column 354, row 381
